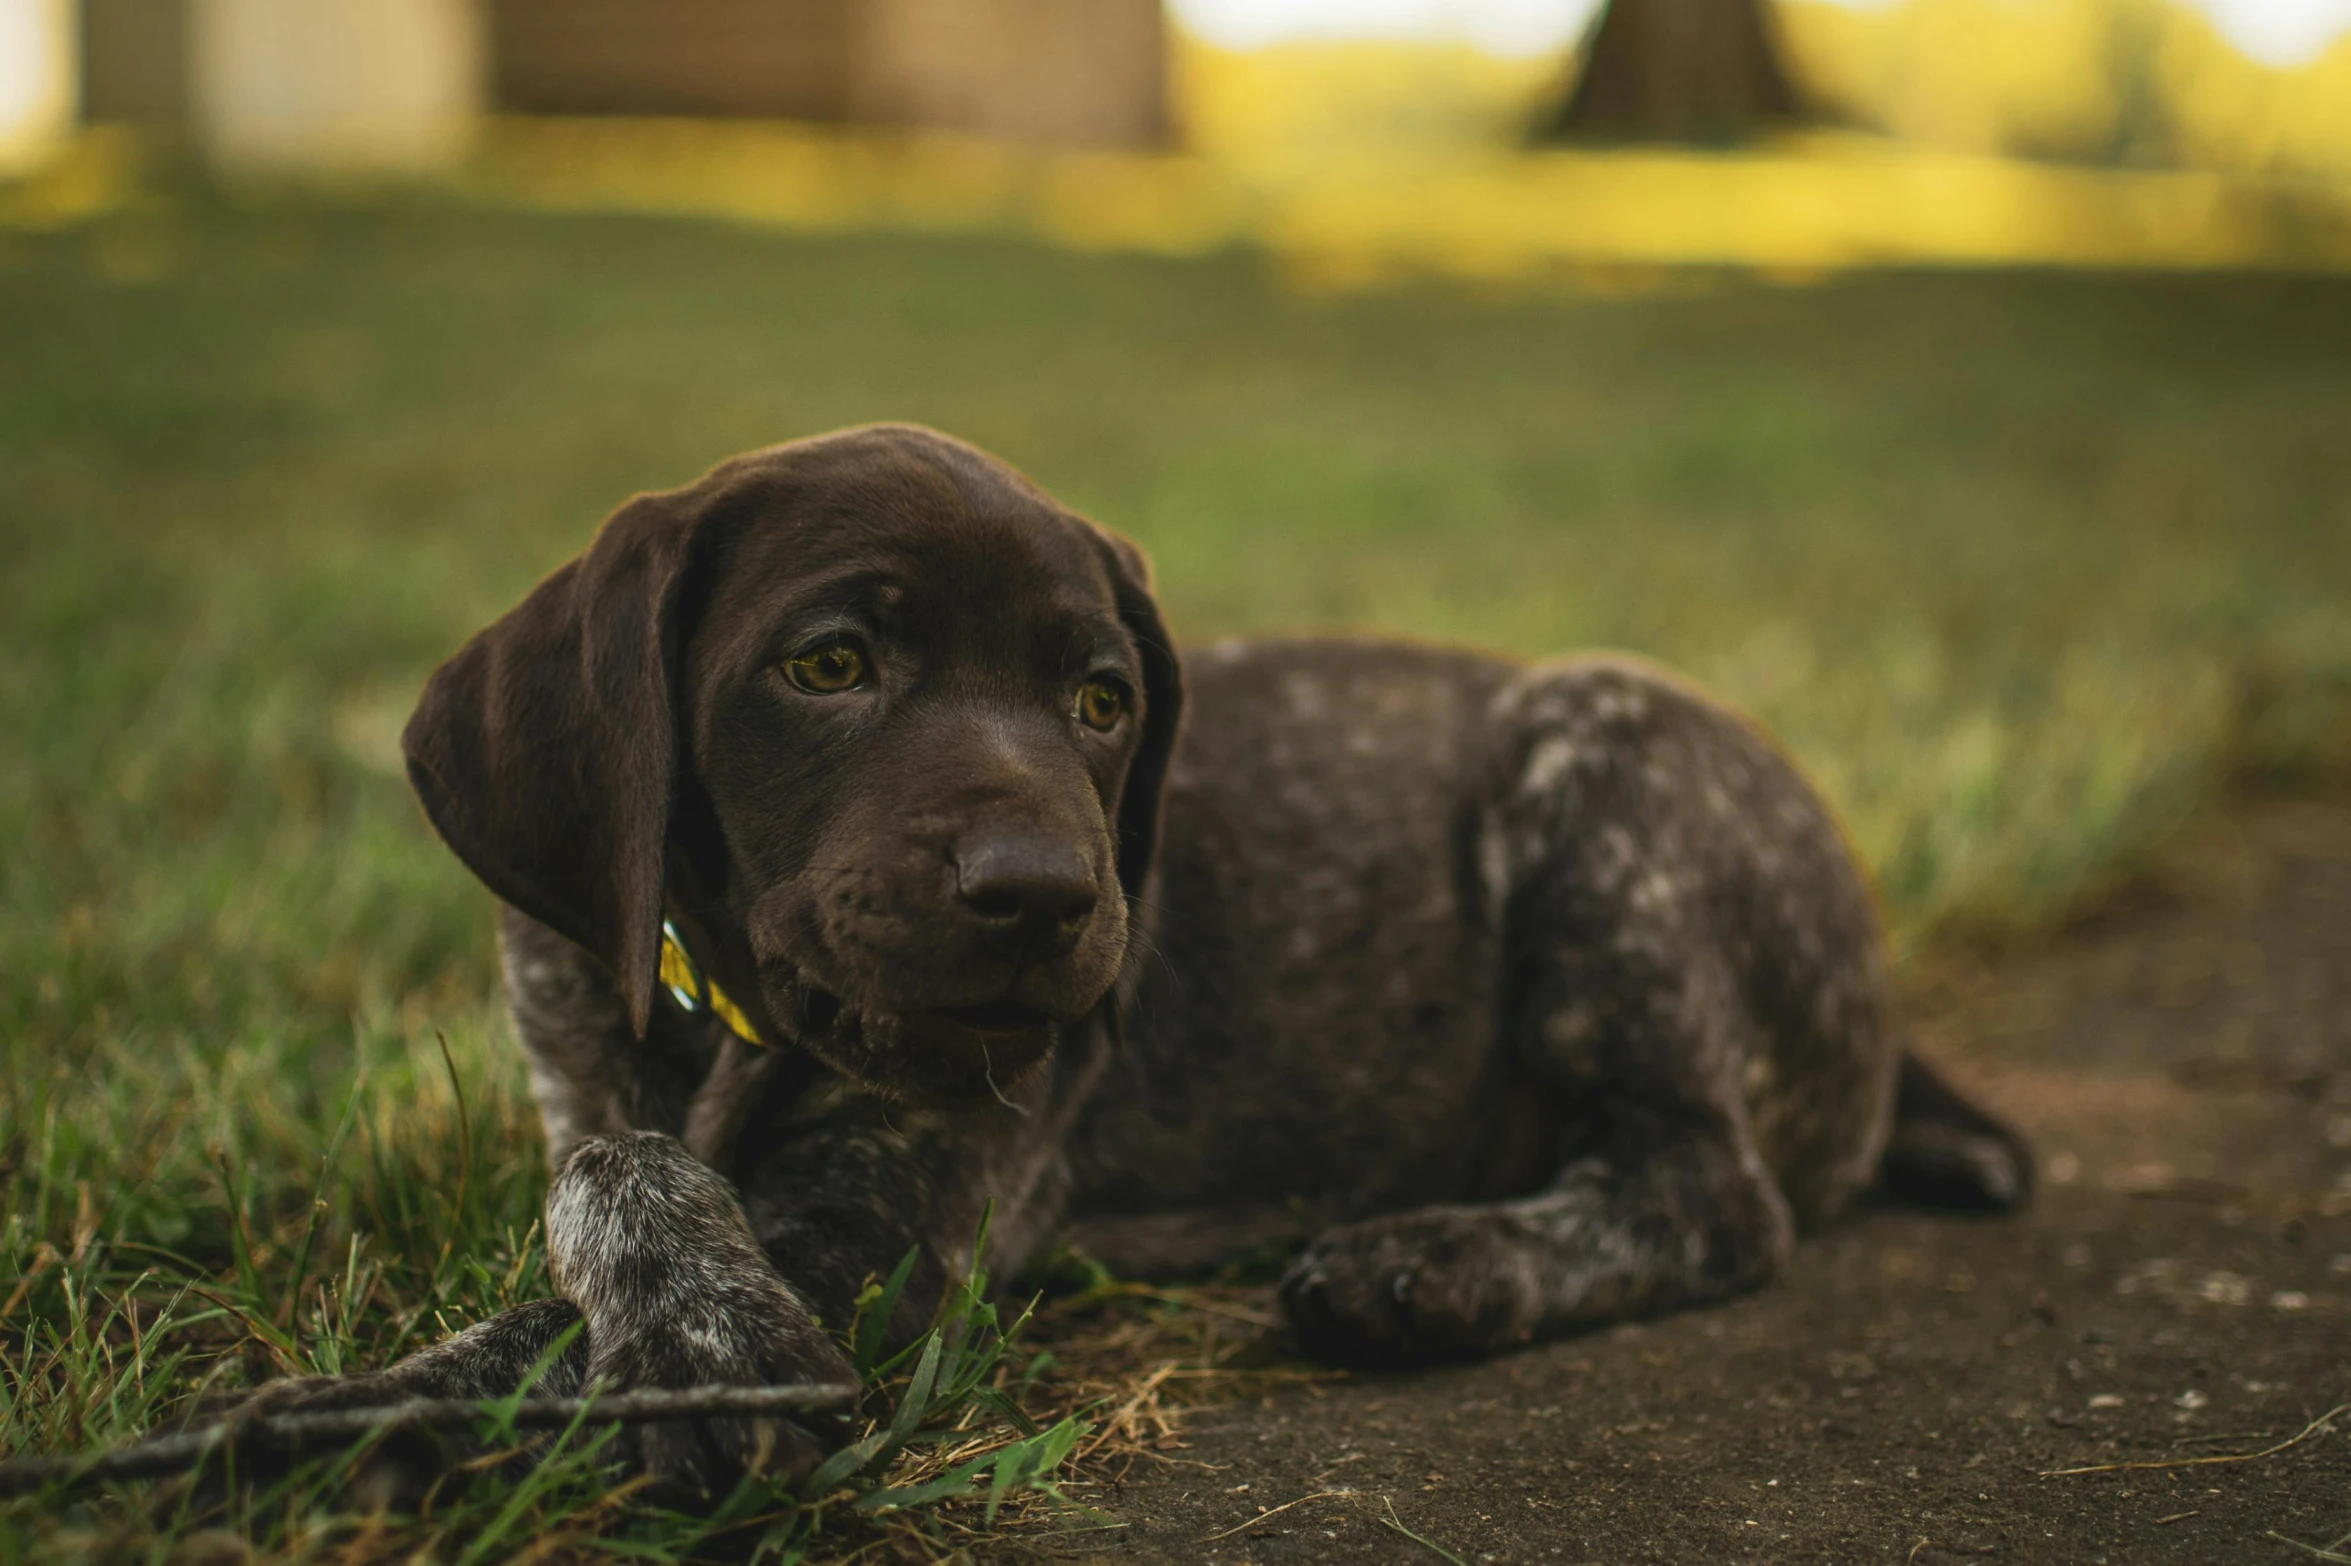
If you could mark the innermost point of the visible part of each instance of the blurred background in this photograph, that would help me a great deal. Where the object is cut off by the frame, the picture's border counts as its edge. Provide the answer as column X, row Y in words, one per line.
column 1958, row 384
column 1962, row 387
column 1356, row 140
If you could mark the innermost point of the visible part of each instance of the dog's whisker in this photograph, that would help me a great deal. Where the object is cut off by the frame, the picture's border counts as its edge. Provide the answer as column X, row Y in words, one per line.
column 989, row 1070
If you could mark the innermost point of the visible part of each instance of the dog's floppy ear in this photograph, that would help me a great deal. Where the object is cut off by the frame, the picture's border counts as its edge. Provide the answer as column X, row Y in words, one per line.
column 544, row 751
column 1163, row 710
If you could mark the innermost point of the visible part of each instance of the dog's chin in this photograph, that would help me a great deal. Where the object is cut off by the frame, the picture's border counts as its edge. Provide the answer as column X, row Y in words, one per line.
column 967, row 1051
column 934, row 1055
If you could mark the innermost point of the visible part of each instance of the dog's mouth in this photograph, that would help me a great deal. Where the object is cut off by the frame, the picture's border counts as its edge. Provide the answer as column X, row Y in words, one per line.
column 1004, row 1015
column 821, row 1013
column 921, row 1026
column 970, row 1050
column 945, row 1051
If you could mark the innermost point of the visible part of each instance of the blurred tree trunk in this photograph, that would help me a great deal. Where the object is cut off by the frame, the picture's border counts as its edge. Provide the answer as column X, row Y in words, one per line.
column 1676, row 70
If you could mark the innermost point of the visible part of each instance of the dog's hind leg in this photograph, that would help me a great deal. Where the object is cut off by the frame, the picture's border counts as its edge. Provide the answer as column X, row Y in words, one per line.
column 1665, row 1202
column 1689, row 967
column 1945, row 1152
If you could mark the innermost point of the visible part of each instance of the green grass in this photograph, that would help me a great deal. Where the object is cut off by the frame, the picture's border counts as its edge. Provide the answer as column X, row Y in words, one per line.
column 2025, row 569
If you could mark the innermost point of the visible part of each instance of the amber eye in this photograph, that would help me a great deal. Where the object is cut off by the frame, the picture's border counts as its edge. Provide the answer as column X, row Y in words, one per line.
column 827, row 669
column 1100, row 704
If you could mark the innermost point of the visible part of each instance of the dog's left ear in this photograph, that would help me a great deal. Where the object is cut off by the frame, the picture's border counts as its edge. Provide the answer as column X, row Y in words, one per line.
column 1163, row 710
column 545, row 754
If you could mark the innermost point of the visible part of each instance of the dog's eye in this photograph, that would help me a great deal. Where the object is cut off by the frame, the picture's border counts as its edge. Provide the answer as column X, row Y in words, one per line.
column 827, row 669
column 1100, row 704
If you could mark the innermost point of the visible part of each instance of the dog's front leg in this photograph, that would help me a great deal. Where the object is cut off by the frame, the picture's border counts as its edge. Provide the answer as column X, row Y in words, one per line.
column 663, row 1287
column 651, row 1247
column 491, row 1358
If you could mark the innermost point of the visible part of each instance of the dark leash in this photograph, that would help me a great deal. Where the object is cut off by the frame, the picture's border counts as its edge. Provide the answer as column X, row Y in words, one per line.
column 171, row 1454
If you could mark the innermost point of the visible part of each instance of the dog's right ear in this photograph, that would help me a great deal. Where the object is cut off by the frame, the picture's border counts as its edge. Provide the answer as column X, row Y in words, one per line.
column 545, row 753
column 1163, row 708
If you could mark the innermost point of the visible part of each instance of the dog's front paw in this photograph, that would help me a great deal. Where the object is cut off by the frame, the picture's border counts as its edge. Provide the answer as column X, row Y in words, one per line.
column 749, row 1337
column 1442, row 1283
column 651, row 1247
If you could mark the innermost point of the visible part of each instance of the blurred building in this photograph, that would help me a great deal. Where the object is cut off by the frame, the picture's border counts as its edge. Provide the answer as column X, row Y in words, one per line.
column 36, row 80
column 400, row 83
column 1071, row 71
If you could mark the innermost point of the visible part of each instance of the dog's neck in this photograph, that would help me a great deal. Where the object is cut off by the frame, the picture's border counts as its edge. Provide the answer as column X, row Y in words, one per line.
column 695, row 991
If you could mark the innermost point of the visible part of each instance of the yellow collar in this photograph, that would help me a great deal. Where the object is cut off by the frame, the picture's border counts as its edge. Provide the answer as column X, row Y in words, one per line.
column 694, row 991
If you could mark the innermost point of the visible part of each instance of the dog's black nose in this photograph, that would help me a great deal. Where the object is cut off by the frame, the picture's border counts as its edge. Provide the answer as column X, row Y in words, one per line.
column 1035, row 891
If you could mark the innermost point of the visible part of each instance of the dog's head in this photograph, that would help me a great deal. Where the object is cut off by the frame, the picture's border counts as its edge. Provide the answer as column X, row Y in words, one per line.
column 874, row 720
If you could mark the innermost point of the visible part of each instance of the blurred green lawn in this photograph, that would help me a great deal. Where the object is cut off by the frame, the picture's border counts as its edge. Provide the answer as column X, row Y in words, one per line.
column 2023, row 568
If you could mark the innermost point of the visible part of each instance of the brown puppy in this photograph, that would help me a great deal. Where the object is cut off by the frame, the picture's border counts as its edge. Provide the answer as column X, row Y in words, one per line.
column 1528, row 998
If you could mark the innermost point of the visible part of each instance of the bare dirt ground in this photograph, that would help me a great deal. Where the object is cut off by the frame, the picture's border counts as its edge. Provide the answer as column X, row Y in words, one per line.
column 2181, row 1290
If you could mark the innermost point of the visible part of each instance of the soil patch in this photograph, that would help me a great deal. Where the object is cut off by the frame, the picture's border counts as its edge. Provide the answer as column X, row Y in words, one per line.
column 2181, row 1290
